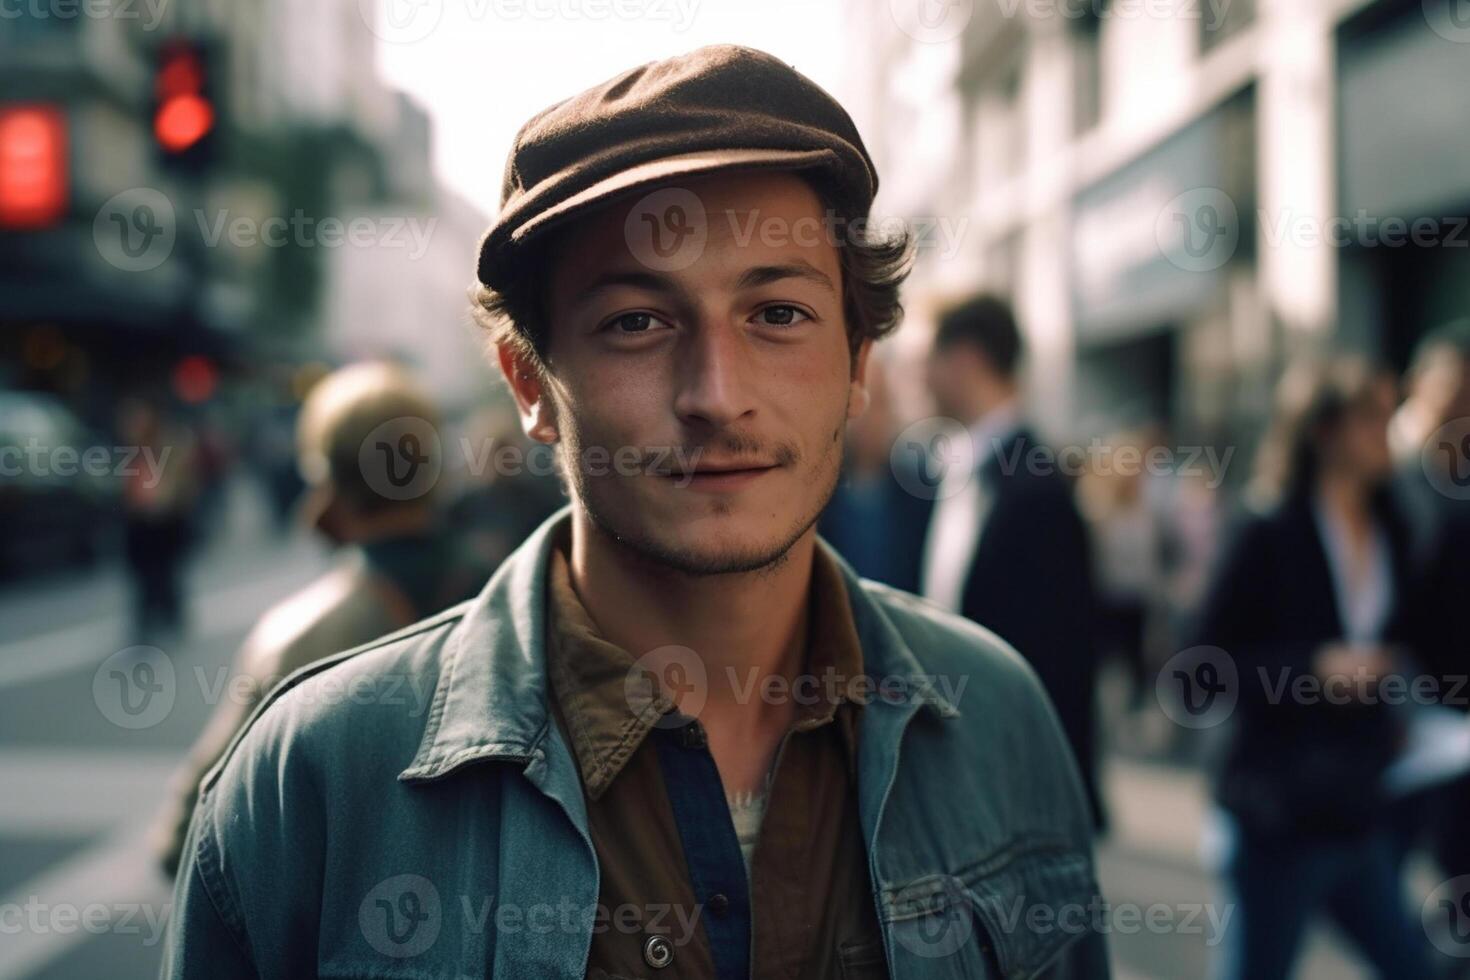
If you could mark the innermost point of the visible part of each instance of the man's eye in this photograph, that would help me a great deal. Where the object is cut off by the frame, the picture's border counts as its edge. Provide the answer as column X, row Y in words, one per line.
column 781, row 316
column 633, row 323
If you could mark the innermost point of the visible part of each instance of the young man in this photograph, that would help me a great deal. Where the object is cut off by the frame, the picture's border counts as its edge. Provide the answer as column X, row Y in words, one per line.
column 674, row 736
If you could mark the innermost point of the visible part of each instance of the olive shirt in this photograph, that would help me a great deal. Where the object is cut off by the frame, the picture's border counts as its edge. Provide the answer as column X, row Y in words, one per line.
column 661, row 827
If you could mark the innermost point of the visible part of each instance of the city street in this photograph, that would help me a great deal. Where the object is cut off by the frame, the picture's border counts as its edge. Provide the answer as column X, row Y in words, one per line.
column 1152, row 861
column 1134, row 331
column 82, row 898
column 81, row 789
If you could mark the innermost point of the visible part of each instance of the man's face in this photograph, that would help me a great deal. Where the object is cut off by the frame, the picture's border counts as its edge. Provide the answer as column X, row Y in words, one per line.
column 1363, row 437
column 727, row 378
column 956, row 373
column 1446, row 386
column 1356, row 443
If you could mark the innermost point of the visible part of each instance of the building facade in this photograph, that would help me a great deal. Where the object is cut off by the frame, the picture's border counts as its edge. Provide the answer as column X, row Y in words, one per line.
column 1177, row 194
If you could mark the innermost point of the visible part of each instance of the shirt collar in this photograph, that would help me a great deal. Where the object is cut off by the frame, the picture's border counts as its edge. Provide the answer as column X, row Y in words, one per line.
column 994, row 429
column 605, row 710
column 607, row 715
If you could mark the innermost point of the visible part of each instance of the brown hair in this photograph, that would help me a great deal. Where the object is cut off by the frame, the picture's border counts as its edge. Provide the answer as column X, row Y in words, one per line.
column 987, row 324
column 873, row 269
column 1312, row 399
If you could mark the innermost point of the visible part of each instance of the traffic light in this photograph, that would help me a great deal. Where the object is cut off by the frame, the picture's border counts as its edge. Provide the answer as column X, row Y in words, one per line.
column 33, row 166
column 185, row 119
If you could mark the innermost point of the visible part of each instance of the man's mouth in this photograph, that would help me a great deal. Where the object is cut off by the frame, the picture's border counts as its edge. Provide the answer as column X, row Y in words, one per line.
column 721, row 477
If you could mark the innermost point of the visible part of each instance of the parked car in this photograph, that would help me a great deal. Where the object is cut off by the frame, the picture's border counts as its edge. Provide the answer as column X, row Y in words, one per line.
column 58, row 506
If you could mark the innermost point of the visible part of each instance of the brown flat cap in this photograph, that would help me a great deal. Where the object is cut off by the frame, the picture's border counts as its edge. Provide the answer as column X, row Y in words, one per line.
column 721, row 107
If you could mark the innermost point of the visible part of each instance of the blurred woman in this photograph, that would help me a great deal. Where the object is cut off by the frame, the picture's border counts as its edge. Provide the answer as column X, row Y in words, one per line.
column 1312, row 603
column 1124, row 513
column 159, row 509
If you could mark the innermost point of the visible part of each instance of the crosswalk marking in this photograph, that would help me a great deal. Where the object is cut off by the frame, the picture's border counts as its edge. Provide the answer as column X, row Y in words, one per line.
column 112, row 886
column 77, row 792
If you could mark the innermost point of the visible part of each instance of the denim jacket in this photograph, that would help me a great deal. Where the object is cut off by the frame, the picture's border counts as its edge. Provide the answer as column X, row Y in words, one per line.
column 409, row 809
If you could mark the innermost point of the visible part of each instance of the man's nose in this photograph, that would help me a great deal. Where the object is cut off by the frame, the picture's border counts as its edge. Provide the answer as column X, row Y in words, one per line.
column 713, row 376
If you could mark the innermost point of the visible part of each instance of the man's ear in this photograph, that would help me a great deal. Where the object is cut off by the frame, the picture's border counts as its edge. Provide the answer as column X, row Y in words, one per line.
column 857, row 391
column 538, row 416
column 323, row 510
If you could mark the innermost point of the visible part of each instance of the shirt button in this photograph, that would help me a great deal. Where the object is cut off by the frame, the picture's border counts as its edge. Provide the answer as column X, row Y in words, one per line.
column 719, row 904
column 692, row 736
column 658, row 952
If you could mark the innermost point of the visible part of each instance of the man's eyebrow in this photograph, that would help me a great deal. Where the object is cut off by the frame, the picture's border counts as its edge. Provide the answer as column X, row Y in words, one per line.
column 637, row 279
column 760, row 275
column 765, row 274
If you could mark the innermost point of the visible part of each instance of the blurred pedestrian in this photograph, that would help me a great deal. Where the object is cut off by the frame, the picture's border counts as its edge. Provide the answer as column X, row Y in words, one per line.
column 160, row 489
column 271, row 441
column 1312, row 602
column 1124, row 515
column 1428, row 458
column 398, row 562
column 1430, row 434
column 872, row 521
column 510, row 486
column 1005, row 544
column 217, row 455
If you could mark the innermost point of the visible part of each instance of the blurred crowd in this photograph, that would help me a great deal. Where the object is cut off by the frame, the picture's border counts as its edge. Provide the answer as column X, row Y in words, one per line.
column 1297, row 622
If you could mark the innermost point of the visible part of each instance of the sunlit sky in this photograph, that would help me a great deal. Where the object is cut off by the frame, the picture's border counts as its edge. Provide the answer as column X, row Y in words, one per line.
column 483, row 67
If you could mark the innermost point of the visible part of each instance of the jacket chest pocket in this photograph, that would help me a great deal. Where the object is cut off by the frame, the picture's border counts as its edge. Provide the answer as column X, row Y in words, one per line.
column 407, row 927
column 1012, row 916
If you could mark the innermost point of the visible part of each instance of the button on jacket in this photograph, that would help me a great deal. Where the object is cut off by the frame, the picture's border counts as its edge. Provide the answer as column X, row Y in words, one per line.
column 354, row 829
column 667, row 848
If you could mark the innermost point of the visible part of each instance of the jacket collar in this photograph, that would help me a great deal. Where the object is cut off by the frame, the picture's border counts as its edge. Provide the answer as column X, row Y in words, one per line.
column 590, row 676
column 491, row 701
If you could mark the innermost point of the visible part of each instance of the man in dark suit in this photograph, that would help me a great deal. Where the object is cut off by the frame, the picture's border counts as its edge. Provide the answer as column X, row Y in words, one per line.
column 1004, row 543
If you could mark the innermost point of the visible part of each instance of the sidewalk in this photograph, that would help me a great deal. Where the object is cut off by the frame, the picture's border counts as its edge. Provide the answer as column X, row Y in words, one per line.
column 62, row 623
column 1157, row 811
column 247, row 534
column 1159, row 850
column 86, row 789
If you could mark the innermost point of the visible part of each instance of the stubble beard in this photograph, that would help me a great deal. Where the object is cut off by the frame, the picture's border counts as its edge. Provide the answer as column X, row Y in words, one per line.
column 647, row 548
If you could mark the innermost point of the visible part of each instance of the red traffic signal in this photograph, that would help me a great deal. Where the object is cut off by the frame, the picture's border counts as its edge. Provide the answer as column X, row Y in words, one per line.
column 33, row 166
column 183, row 114
column 182, row 121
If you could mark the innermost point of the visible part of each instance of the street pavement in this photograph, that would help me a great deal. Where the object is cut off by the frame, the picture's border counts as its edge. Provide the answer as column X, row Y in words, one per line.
column 81, row 777
column 79, row 897
column 1165, row 909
